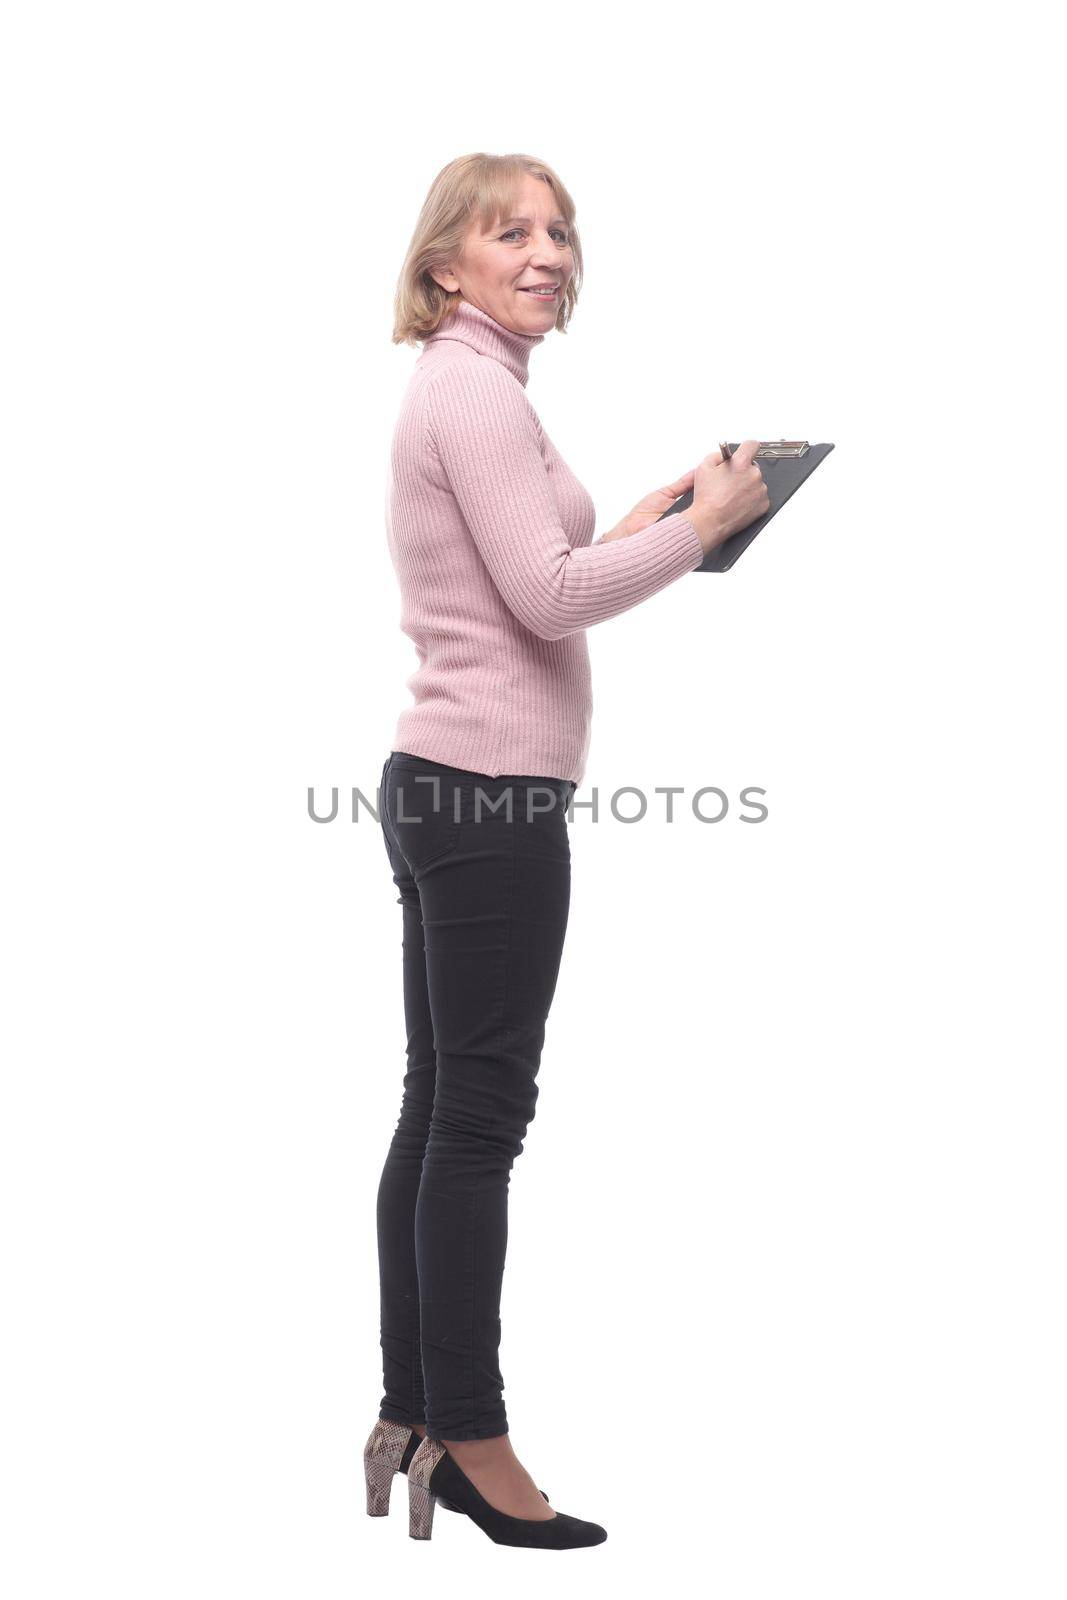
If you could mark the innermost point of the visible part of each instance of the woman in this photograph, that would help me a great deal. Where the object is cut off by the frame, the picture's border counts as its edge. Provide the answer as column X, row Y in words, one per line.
column 491, row 536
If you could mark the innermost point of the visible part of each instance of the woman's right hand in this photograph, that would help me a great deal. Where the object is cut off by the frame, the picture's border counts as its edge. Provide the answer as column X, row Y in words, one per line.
column 727, row 495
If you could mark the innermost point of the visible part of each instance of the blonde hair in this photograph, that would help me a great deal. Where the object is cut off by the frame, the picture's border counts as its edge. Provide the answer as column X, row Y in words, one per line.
column 472, row 188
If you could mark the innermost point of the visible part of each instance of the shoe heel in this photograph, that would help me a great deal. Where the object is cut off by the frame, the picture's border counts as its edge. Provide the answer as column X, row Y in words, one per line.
column 421, row 1498
column 378, row 1496
column 382, row 1456
column 420, row 1510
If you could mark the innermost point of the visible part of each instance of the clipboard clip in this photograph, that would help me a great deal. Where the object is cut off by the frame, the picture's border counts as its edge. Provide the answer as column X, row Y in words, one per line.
column 792, row 448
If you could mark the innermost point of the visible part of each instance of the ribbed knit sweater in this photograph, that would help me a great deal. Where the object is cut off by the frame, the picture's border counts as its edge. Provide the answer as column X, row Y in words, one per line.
column 491, row 536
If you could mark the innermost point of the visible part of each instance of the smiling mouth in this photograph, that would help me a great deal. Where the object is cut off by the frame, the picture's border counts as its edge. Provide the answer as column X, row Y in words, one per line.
column 542, row 294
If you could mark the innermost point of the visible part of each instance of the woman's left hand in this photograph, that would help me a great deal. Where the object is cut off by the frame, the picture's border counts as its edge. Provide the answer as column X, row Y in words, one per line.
column 651, row 508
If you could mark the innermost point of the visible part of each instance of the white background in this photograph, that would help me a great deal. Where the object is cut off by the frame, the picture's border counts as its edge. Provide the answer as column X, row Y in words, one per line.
column 784, row 1306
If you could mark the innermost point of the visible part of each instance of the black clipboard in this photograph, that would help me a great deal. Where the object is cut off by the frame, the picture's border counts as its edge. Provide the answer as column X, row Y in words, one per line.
column 785, row 465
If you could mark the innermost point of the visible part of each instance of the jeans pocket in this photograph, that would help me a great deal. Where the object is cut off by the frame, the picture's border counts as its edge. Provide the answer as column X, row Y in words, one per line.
column 425, row 812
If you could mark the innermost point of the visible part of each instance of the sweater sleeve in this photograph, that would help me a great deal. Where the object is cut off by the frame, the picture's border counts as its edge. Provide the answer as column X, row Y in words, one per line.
column 485, row 434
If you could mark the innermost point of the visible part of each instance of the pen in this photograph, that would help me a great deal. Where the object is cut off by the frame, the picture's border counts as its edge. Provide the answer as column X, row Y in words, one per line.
column 726, row 451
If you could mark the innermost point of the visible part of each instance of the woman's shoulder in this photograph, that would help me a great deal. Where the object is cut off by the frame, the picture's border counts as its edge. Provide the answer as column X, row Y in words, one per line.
column 469, row 385
column 451, row 365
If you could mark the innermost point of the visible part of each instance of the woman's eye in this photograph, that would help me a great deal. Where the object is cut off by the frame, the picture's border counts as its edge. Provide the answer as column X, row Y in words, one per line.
column 558, row 231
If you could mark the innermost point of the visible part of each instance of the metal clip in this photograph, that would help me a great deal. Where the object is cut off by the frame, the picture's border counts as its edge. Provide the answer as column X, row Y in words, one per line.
column 783, row 447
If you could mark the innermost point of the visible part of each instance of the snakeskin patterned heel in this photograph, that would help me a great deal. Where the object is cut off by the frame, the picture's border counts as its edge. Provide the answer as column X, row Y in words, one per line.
column 388, row 1451
column 421, row 1499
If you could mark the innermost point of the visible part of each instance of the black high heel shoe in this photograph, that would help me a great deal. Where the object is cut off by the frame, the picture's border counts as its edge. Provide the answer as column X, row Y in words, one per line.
column 433, row 1473
column 388, row 1451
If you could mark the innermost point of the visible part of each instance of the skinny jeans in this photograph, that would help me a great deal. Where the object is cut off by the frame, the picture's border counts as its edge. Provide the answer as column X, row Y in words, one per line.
column 482, row 866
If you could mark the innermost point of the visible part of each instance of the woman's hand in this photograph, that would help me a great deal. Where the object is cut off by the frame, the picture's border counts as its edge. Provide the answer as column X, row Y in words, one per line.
column 651, row 508
column 727, row 495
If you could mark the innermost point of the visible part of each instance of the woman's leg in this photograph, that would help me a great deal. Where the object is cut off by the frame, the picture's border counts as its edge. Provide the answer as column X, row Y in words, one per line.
column 404, row 1397
column 495, row 896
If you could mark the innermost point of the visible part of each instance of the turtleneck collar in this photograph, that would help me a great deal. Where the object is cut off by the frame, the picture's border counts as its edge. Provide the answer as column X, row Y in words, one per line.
column 471, row 325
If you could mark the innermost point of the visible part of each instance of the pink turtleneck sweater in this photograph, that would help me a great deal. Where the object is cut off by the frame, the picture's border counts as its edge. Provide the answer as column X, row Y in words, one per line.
column 490, row 534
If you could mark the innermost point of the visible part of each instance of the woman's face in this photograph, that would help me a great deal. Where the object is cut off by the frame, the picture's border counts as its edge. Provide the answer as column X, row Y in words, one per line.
column 496, row 270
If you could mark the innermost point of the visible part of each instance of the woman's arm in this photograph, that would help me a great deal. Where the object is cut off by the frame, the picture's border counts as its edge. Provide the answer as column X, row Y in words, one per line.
column 485, row 434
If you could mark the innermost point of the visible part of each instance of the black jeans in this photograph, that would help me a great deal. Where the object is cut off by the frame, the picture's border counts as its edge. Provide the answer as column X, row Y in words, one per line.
column 485, row 891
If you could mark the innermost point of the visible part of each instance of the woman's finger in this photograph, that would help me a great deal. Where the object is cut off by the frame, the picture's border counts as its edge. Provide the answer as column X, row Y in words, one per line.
column 680, row 485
